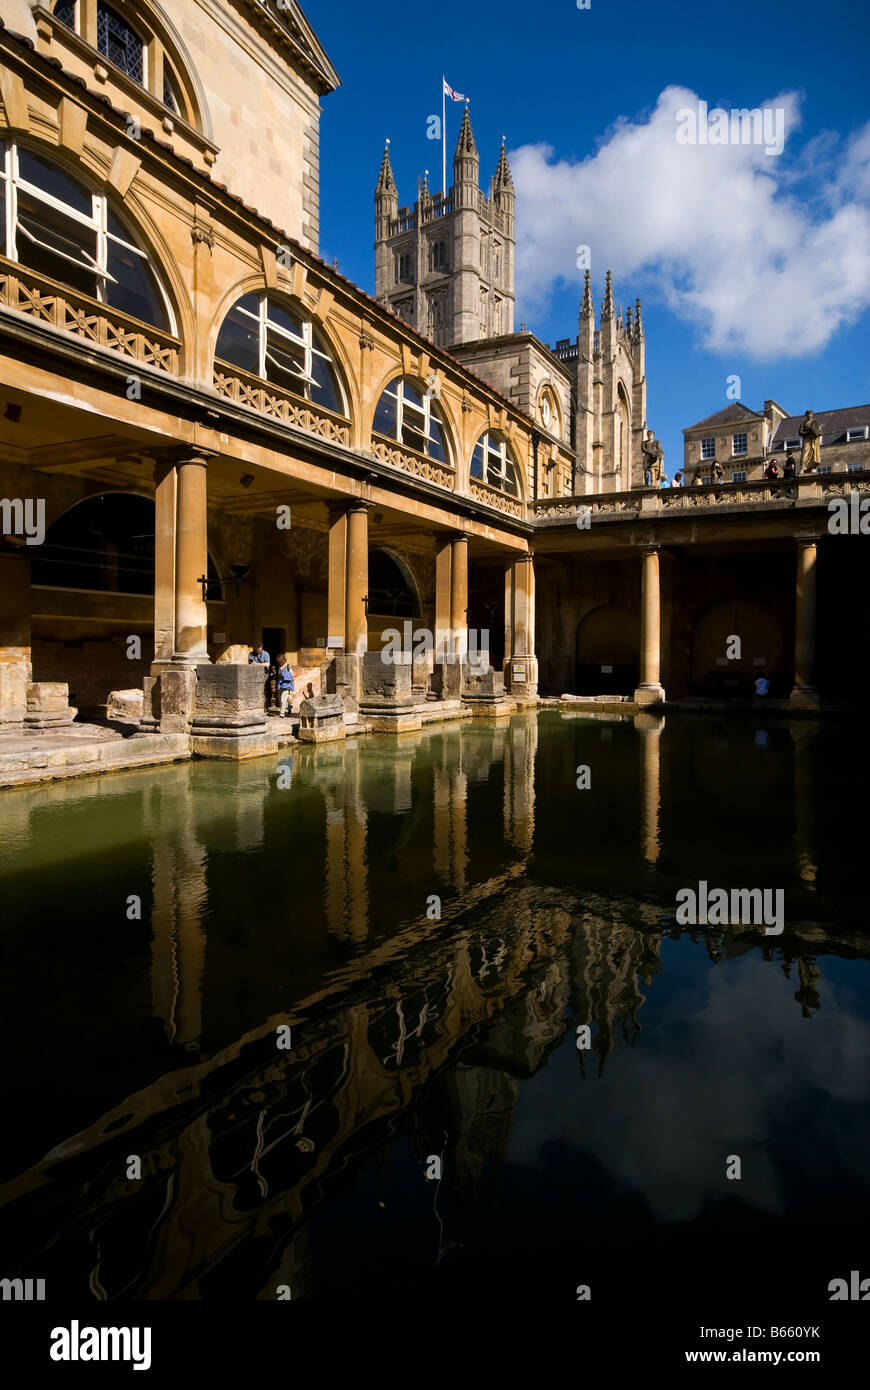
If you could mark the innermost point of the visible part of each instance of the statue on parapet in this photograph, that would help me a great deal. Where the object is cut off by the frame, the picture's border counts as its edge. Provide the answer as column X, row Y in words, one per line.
column 653, row 459
column 811, row 447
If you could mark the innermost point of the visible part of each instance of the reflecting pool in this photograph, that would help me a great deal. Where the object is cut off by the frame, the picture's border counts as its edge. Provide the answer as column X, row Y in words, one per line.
column 331, row 1004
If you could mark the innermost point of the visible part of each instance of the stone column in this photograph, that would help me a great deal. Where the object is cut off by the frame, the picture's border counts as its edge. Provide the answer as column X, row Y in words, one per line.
column 357, row 634
column 520, row 663
column 804, row 695
column 165, row 508
column 15, row 658
column 459, row 595
column 650, row 690
column 348, row 587
column 650, row 728
column 191, row 561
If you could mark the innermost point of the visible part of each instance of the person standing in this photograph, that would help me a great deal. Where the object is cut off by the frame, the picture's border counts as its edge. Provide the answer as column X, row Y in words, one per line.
column 286, row 686
column 771, row 471
column 789, row 470
column 259, row 657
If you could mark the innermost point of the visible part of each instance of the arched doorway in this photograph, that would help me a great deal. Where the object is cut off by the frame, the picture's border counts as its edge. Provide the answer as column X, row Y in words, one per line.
column 758, row 650
column 392, row 590
column 608, row 647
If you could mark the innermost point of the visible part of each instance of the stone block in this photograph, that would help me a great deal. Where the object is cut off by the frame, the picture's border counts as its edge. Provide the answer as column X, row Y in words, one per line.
column 47, row 697
column 344, row 678
column 385, row 682
column 48, row 705
column 14, row 680
column 126, row 705
column 177, row 686
column 321, row 720
column 228, row 689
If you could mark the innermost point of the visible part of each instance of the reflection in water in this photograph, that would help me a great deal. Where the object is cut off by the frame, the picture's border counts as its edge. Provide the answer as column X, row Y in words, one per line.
column 271, row 900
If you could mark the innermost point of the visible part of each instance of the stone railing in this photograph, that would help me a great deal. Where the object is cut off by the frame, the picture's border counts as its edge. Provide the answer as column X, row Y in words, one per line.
column 492, row 497
column 268, row 399
column 50, row 302
column 410, row 461
column 805, row 490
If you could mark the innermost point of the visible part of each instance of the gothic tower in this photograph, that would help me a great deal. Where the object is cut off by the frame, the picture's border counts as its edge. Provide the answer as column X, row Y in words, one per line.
column 446, row 264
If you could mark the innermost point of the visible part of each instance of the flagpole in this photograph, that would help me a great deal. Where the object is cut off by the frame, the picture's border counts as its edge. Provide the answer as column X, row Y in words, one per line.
column 443, row 139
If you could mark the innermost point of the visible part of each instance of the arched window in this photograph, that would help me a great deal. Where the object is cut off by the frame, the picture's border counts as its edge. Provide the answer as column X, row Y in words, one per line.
column 120, row 43
column 104, row 543
column 59, row 228
column 410, row 417
column 131, row 44
column 437, row 255
column 492, row 462
column 390, row 592
column 274, row 341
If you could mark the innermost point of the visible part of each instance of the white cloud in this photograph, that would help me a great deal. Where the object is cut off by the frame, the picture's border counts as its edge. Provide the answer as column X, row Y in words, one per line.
column 762, row 256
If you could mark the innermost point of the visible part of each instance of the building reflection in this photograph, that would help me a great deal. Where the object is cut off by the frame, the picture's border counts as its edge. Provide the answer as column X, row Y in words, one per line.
column 428, row 1029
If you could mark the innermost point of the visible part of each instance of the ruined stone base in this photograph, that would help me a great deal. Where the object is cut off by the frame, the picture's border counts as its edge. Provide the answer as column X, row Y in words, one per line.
column 322, row 720
column 649, row 695
column 521, row 679
column 438, row 711
column 48, row 705
column 61, row 720
column 490, row 708
column 231, row 745
column 804, row 697
column 383, row 720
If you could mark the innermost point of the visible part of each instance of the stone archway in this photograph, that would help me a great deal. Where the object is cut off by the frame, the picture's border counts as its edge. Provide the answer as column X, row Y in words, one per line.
column 759, row 649
column 608, row 651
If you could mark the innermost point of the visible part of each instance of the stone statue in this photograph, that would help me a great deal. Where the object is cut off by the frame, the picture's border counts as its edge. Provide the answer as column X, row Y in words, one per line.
column 811, row 449
column 653, row 459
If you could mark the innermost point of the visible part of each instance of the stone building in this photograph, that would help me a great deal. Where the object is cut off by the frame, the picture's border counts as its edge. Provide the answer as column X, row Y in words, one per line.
column 743, row 441
column 446, row 265
column 208, row 437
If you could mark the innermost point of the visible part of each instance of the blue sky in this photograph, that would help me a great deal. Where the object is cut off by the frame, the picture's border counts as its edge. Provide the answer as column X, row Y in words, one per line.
column 746, row 263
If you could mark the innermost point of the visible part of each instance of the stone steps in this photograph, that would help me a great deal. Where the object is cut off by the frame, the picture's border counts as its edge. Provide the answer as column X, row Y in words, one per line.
column 49, row 762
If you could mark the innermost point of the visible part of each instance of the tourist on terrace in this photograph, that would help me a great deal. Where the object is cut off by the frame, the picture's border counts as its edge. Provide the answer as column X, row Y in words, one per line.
column 789, row 470
column 285, row 683
column 718, row 473
column 258, row 657
column 771, row 471
column 678, row 480
column 663, row 480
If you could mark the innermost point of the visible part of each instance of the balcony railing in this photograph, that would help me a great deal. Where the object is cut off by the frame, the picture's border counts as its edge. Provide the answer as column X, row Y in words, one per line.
column 808, row 489
column 268, row 399
column 412, row 461
column 493, row 497
column 50, row 302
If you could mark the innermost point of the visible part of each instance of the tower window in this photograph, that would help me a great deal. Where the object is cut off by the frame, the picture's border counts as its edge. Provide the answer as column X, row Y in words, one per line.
column 437, row 255
column 120, row 44
column 403, row 267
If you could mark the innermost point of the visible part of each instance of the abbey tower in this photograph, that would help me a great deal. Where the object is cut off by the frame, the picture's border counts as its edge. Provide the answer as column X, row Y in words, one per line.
column 445, row 264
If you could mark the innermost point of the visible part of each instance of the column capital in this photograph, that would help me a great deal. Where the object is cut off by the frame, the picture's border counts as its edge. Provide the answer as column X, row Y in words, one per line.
column 342, row 506
column 527, row 557
column 807, row 538
column 456, row 536
column 181, row 454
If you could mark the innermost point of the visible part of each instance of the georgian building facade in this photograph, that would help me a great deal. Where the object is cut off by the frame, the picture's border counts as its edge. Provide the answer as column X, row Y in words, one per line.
column 208, row 437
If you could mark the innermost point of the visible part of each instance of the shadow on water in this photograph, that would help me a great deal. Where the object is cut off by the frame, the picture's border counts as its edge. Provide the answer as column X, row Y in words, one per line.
column 441, row 921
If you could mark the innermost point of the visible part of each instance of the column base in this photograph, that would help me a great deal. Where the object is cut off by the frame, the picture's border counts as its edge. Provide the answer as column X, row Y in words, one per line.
column 521, row 678
column 804, row 697
column 649, row 694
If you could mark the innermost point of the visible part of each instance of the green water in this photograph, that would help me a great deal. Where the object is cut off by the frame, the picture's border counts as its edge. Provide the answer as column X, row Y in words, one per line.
column 433, row 918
